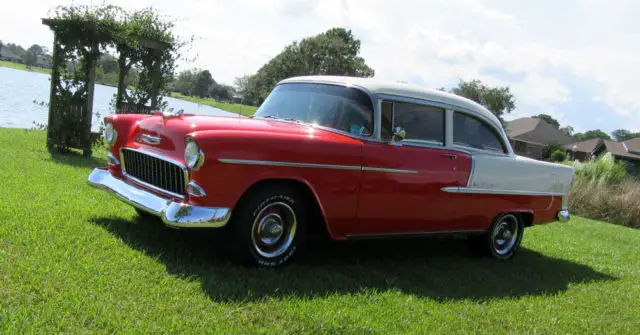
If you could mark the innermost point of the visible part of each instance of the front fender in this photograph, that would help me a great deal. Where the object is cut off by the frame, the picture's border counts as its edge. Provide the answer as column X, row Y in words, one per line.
column 235, row 160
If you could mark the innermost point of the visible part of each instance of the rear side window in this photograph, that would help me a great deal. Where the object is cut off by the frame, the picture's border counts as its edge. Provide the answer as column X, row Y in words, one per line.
column 472, row 132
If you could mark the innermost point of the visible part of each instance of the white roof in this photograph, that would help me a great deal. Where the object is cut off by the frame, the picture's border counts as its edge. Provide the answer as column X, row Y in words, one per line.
column 376, row 86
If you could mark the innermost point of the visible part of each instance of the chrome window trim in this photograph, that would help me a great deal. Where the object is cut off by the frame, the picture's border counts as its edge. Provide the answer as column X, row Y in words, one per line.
column 477, row 190
column 314, row 165
column 393, row 99
column 152, row 154
column 448, row 119
column 503, row 138
column 433, row 103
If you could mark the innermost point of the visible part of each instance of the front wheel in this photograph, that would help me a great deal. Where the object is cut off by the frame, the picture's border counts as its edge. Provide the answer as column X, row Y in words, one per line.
column 503, row 238
column 268, row 227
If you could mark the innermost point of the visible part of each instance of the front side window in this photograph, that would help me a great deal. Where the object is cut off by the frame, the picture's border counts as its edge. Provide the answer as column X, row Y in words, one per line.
column 471, row 132
column 422, row 123
column 342, row 108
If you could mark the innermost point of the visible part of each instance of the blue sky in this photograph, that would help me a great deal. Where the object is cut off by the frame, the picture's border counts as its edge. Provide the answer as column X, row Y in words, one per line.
column 574, row 59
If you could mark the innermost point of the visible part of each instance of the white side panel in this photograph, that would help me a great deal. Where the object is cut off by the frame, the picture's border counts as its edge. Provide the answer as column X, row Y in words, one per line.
column 519, row 175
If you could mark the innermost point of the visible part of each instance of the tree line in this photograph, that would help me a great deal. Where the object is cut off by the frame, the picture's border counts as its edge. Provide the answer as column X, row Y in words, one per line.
column 616, row 135
column 333, row 52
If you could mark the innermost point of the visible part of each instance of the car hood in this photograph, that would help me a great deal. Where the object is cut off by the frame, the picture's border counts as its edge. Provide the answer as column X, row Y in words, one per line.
column 171, row 132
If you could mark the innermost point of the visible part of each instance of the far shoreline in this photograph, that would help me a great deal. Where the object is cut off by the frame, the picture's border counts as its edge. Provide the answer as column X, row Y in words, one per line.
column 225, row 106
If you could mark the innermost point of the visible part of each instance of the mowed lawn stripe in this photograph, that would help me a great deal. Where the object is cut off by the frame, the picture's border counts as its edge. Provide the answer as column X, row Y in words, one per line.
column 74, row 259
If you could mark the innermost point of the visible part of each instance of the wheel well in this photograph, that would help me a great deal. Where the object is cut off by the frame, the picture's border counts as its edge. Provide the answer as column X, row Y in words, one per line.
column 527, row 218
column 317, row 221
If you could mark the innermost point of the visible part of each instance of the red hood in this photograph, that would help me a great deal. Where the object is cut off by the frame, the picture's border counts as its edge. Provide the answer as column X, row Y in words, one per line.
column 172, row 131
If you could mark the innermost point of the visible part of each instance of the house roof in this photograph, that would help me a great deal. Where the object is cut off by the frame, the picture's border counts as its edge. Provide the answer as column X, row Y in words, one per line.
column 619, row 149
column 536, row 130
column 585, row 146
column 633, row 144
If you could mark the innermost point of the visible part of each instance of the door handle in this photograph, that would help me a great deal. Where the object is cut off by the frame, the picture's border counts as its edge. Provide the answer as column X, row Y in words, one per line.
column 452, row 156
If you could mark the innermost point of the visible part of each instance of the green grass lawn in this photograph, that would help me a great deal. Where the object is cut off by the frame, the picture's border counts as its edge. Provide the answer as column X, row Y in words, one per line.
column 75, row 260
column 18, row 66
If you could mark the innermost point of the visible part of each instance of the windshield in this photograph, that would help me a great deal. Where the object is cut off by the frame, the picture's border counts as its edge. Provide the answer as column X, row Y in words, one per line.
column 338, row 107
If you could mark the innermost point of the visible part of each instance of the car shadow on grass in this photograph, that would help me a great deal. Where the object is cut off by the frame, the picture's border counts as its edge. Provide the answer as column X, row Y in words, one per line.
column 437, row 268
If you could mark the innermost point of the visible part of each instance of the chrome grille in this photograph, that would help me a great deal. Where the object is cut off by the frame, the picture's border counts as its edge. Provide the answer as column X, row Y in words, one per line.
column 154, row 171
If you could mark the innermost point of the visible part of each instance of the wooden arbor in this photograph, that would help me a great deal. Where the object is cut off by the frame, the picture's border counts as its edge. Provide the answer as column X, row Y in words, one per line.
column 77, row 48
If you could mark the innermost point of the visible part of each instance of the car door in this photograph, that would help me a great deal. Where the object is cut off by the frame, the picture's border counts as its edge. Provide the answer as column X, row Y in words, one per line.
column 402, row 180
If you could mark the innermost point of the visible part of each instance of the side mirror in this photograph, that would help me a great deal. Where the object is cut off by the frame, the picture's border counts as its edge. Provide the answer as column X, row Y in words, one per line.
column 399, row 134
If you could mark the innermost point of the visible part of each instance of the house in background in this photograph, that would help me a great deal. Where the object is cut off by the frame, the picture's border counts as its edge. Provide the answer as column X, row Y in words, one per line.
column 529, row 136
column 626, row 151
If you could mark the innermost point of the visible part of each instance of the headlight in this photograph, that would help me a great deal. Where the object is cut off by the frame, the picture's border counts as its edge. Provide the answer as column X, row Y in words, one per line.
column 110, row 134
column 193, row 155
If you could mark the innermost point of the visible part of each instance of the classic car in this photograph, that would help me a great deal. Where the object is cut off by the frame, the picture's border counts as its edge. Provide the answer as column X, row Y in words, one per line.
column 349, row 157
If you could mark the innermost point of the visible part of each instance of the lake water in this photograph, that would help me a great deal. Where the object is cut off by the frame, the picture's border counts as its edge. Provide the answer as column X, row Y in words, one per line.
column 19, row 89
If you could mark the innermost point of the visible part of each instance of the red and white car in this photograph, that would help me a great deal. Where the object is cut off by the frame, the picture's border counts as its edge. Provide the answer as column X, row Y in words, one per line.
column 354, row 157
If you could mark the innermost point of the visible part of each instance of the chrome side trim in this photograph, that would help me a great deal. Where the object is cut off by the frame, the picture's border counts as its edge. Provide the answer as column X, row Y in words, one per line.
column 414, row 234
column 376, row 169
column 472, row 172
column 313, row 165
column 173, row 214
column 288, row 164
column 185, row 171
column 475, row 190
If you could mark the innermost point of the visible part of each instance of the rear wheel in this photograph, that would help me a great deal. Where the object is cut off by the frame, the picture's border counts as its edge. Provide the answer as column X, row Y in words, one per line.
column 268, row 227
column 502, row 240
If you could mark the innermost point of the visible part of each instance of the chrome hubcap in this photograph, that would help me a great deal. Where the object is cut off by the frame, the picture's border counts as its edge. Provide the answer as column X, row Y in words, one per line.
column 273, row 229
column 505, row 234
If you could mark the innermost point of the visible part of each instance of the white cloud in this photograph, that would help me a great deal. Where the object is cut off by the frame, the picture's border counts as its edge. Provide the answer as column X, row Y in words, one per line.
column 438, row 41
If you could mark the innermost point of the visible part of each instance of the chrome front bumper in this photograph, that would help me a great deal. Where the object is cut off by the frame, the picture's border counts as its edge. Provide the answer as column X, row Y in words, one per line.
column 173, row 214
column 563, row 215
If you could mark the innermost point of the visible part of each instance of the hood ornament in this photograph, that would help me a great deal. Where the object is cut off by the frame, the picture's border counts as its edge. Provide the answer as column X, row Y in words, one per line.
column 168, row 114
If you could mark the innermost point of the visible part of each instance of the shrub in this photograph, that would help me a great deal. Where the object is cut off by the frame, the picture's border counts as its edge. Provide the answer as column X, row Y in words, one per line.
column 602, row 171
column 619, row 204
column 558, row 156
column 603, row 190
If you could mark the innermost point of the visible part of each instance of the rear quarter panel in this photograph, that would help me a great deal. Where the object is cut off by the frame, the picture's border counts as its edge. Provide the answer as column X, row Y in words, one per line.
column 497, row 184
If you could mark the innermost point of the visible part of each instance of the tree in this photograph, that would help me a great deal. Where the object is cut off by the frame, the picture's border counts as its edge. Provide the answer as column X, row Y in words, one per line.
column 38, row 50
column 567, row 130
column 623, row 135
column 109, row 63
column 550, row 149
column 203, row 83
column 498, row 100
column 240, row 83
column 591, row 134
column 334, row 52
column 549, row 119
column 30, row 58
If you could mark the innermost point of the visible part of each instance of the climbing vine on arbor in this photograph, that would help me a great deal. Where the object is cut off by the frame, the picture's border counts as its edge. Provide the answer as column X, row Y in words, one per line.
column 143, row 38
